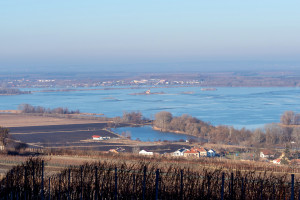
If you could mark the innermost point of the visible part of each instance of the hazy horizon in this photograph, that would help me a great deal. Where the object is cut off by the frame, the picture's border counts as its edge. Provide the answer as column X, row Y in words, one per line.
column 160, row 36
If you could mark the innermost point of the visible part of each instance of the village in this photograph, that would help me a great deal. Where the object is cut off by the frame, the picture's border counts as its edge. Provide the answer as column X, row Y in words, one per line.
column 264, row 155
column 198, row 152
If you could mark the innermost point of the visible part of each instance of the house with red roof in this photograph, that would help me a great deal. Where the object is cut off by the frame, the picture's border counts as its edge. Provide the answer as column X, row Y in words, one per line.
column 191, row 153
column 196, row 152
column 202, row 151
column 96, row 137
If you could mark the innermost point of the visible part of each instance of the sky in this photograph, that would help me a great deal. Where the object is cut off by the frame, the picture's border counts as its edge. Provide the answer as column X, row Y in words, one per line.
column 154, row 35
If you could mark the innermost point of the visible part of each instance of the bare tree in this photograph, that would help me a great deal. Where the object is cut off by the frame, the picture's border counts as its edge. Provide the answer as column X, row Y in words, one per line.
column 287, row 118
column 273, row 133
column 162, row 119
column 258, row 137
column 296, row 136
column 132, row 117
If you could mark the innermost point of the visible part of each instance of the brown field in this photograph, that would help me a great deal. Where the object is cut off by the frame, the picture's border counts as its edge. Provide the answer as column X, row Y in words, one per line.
column 13, row 119
column 64, row 133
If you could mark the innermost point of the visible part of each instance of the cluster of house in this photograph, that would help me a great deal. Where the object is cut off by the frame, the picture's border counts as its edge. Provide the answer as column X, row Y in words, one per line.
column 193, row 152
column 271, row 154
column 97, row 137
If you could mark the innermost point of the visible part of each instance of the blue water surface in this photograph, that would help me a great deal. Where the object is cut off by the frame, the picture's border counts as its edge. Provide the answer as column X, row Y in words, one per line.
column 146, row 133
column 249, row 107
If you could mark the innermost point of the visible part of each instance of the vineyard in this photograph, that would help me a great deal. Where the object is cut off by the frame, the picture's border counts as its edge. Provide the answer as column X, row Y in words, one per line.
column 104, row 180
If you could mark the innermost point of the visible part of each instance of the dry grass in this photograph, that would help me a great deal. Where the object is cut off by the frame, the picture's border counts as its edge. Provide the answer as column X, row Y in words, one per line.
column 23, row 120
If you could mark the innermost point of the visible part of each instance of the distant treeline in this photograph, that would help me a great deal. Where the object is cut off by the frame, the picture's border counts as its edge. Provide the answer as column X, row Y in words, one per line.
column 27, row 108
column 271, row 135
column 12, row 91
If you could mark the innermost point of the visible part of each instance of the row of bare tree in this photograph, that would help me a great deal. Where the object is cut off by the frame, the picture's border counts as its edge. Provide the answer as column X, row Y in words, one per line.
column 271, row 134
column 27, row 108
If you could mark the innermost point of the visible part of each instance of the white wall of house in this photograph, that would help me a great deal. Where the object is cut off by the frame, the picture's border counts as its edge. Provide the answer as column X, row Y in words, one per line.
column 145, row 153
column 179, row 152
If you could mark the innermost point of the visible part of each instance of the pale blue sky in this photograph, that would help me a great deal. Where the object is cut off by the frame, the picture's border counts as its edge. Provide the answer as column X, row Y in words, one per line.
column 163, row 34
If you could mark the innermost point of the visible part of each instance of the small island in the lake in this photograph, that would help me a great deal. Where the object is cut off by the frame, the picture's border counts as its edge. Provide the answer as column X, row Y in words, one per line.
column 147, row 92
column 188, row 92
column 208, row 89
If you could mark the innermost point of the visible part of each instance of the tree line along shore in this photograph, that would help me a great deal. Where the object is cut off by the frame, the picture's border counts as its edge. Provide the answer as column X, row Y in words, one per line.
column 273, row 135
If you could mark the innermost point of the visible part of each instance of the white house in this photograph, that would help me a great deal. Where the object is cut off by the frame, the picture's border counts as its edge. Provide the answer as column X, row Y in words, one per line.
column 211, row 153
column 145, row 153
column 179, row 152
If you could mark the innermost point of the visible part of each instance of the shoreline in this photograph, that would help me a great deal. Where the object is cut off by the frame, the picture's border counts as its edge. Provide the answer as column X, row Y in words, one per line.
column 170, row 131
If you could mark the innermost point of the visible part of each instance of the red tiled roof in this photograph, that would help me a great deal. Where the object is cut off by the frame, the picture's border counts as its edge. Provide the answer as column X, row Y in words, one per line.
column 96, row 136
column 201, row 149
column 191, row 151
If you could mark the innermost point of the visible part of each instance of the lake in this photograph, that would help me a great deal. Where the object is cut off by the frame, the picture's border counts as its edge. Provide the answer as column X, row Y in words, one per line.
column 239, row 107
column 146, row 133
